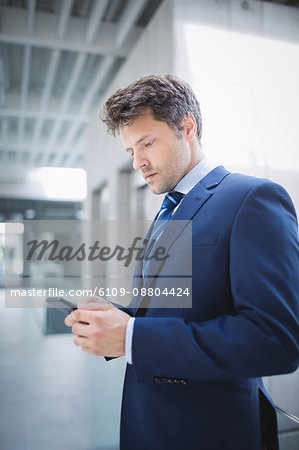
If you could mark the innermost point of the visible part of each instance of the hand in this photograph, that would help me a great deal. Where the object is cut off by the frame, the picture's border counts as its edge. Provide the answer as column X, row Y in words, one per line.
column 100, row 331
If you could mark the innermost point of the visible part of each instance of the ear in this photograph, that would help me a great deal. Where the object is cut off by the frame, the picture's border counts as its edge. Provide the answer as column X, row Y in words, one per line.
column 190, row 127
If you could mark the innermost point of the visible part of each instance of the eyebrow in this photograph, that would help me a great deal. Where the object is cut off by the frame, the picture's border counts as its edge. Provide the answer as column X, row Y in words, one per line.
column 139, row 140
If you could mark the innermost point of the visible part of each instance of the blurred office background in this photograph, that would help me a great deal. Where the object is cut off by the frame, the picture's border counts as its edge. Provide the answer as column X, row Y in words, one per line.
column 59, row 61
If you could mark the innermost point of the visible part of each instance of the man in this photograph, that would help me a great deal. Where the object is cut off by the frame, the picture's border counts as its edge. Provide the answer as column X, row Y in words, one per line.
column 193, row 374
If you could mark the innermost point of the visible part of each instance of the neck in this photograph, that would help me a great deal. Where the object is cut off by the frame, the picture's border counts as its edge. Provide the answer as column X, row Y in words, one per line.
column 197, row 153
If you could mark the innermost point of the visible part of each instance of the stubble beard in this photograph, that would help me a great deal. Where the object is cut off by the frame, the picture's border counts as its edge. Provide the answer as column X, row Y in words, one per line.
column 169, row 179
column 172, row 174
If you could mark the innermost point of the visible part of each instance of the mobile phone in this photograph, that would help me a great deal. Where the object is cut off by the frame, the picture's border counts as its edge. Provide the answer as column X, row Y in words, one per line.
column 60, row 303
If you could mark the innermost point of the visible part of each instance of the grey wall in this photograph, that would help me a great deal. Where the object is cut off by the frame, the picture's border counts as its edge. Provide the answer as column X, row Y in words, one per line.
column 259, row 19
column 105, row 157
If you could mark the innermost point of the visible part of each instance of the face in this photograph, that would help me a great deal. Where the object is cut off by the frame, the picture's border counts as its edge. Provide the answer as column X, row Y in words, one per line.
column 157, row 152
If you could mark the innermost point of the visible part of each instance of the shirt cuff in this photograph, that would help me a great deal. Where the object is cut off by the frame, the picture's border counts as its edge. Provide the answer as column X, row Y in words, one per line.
column 129, row 339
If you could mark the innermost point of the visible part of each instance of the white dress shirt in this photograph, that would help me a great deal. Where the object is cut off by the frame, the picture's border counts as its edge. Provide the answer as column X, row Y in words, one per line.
column 184, row 185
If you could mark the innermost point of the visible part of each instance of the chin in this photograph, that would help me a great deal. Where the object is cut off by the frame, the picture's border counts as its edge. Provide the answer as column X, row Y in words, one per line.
column 157, row 189
column 154, row 190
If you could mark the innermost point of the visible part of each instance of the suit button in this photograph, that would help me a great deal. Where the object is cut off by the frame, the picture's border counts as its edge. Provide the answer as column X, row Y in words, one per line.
column 157, row 380
column 169, row 380
column 183, row 382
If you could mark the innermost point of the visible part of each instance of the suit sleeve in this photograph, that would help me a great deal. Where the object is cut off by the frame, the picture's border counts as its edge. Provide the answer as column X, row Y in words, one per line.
column 262, row 338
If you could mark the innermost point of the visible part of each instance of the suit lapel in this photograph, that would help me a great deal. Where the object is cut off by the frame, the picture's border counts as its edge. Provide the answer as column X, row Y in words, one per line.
column 201, row 192
column 137, row 277
column 189, row 207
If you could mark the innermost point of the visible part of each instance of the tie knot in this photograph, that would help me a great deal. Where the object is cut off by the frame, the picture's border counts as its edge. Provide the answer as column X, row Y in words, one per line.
column 171, row 200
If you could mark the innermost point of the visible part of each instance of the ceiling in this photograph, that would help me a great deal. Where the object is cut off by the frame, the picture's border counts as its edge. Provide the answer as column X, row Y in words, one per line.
column 57, row 58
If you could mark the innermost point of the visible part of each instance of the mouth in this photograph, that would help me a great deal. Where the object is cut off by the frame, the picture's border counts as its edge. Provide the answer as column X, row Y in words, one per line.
column 149, row 177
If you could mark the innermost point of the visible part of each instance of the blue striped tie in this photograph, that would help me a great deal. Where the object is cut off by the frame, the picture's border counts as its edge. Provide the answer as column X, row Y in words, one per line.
column 171, row 201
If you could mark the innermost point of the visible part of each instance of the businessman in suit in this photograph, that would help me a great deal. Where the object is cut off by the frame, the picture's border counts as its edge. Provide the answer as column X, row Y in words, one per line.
column 193, row 378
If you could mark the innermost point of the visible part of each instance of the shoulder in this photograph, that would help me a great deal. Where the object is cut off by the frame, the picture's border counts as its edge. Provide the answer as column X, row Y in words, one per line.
column 247, row 186
column 219, row 177
column 231, row 191
column 248, row 182
column 261, row 200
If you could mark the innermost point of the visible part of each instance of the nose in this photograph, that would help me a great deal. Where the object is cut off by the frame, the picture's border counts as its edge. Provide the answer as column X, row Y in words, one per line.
column 139, row 161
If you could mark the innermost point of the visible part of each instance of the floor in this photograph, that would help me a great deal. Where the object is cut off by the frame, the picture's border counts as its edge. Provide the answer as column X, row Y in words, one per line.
column 56, row 397
column 53, row 395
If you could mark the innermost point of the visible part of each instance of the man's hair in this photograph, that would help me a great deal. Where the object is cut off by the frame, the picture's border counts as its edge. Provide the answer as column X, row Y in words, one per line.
column 169, row 98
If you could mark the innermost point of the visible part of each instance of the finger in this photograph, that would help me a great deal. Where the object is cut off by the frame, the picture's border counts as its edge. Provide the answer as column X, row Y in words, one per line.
column 86, row 315
column 91, row 351
column 99, row 307
column 93, row 302
column 81, row 315
column 84, row 302
column 86, row 349
column 80, row 341
column 81, row 329
column 68, row 321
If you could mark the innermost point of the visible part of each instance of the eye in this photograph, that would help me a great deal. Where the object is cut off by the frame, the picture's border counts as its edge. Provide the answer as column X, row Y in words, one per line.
column 148, row 144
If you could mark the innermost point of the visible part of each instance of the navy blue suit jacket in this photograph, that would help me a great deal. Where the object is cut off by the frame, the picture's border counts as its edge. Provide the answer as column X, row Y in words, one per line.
column 195, row 379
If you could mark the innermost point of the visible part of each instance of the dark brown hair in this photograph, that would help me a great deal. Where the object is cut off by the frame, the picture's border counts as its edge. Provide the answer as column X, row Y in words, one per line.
column 169, row 98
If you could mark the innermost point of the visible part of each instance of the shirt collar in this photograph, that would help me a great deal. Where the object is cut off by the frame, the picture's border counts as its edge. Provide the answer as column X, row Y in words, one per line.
column 196, row 174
